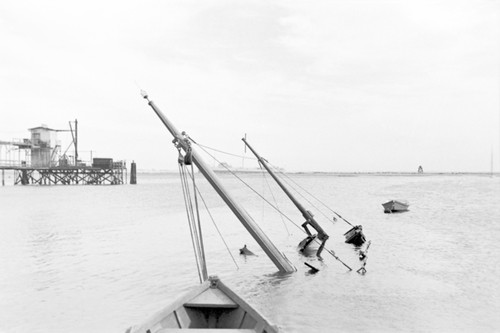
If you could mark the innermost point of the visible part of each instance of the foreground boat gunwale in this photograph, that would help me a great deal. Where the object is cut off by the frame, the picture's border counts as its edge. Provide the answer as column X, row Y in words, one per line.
column 154, row 323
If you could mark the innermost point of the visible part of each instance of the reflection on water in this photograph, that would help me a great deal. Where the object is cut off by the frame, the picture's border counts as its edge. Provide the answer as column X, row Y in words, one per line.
column 104, row 258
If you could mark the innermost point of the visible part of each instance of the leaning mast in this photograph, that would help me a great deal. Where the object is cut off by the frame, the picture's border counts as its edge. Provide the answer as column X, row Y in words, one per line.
column 182, row 141
column 305, row 213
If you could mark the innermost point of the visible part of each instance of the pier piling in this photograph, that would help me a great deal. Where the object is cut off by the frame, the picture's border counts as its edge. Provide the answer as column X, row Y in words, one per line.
column 133, row 177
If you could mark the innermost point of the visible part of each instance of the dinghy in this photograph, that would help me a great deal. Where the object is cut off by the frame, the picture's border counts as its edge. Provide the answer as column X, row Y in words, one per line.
column 395, row 206
column 210, row 307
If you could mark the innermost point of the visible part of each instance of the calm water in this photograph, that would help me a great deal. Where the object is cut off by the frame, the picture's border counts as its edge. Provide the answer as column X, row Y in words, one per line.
column 100, row 259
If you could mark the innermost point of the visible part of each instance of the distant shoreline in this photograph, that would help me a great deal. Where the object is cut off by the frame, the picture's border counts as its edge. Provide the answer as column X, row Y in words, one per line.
column 347, row 174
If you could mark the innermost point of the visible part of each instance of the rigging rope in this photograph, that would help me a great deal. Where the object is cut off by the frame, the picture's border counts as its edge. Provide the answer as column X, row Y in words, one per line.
column 195, row 229
column 303, row 189
column 216, row 227
column 223, row 152
column 200, row 238
column 267, row 201
column 187, row 202
column 275, row 202
column 278, row 171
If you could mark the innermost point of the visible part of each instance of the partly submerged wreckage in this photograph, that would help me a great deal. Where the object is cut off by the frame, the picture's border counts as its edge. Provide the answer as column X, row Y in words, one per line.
column 212, row 305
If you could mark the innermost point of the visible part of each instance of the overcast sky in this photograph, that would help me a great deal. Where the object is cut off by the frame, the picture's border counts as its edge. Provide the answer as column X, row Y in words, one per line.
column 316, row 85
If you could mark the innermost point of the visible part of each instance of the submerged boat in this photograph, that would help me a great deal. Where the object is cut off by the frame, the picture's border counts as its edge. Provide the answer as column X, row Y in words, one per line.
column 355, row 236
column 321, row 235
column 307, row 245
column 396, row 206
column 210, row 306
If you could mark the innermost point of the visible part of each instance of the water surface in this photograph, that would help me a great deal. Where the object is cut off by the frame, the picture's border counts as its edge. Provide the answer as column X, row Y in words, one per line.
column 102, row 258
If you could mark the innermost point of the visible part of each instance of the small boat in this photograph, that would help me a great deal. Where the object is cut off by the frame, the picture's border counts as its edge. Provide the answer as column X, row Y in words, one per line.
column 210, row 306
column 396, row 206
column 355, row 236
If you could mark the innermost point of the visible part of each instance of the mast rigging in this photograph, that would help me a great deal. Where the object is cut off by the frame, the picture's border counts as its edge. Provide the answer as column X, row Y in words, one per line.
column 183, row 142
column 322, row 235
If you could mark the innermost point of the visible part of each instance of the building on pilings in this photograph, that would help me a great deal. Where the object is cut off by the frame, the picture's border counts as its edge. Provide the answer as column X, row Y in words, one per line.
column 44, row 163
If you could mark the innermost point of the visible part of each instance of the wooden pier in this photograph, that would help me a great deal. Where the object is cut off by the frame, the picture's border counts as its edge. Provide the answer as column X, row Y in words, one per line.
column 44, row 163
column 115, row 175
column 70, row 176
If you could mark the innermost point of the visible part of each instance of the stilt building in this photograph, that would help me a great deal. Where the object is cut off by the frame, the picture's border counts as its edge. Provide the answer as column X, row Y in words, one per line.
column 40, row 161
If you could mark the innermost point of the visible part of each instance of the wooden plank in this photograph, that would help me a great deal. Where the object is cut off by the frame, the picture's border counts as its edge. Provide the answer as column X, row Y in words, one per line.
column 250, row 312
column 211, row 298
column 189, row 318
column 232, row 318
column 178, row 303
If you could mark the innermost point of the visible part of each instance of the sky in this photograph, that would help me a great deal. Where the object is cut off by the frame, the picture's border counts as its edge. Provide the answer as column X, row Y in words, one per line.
column 334, row 86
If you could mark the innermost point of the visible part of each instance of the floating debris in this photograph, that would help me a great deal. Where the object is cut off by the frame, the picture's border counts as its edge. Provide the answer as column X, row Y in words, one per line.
column 355, row 236
column 363, row 256
column 245, row 251
column 313, row 270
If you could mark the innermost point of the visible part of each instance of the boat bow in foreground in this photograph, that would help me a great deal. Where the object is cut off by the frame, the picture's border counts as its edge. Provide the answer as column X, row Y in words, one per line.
column 211, row 307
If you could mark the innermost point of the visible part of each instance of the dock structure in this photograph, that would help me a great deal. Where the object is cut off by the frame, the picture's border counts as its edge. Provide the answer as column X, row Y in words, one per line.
column 41, row 162
column 81, row 175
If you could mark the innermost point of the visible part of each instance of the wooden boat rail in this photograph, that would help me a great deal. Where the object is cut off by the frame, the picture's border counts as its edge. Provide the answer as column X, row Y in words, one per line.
column 210, row 307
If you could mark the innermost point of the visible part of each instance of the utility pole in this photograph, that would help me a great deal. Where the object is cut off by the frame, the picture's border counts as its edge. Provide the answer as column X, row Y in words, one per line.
column 76, row 142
